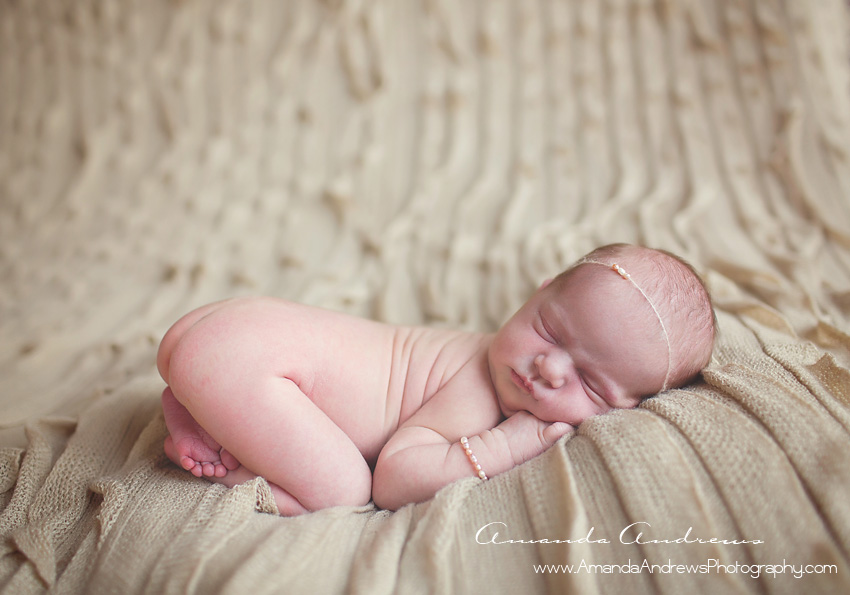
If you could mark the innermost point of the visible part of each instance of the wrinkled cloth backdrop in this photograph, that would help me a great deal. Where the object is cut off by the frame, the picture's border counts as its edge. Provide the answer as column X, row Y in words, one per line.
column 422, row 162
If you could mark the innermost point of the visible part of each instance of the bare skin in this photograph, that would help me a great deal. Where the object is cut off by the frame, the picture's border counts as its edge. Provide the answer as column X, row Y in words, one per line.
column 196, row 451
column 336, row 410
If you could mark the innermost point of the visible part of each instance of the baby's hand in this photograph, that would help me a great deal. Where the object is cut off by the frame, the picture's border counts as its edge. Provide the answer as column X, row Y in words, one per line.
column 528, row 436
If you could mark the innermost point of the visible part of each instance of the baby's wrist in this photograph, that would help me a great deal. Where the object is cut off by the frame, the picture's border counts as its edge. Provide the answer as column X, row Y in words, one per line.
column 473, row 460
column 491, row 453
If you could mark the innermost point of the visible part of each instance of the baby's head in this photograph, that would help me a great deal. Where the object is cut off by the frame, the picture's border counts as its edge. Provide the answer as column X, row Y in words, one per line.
column 622, row 323
column 678, row 301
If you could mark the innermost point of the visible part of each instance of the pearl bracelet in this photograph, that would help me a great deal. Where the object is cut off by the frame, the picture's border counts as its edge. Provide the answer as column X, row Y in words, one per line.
column 464, row 442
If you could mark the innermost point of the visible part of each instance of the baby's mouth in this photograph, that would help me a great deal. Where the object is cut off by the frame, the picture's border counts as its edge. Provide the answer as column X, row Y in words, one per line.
column 522, row 382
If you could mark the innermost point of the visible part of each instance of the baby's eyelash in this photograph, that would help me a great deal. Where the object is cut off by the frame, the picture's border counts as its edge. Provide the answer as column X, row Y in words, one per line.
column 596, row 394
column 547, row 334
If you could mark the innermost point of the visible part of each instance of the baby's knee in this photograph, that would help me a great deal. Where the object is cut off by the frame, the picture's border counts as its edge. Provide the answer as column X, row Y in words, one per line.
column 352, row 488
column 360, row 490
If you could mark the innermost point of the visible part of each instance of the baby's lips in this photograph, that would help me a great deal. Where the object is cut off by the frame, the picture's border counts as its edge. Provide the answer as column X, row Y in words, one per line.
column 523, row 382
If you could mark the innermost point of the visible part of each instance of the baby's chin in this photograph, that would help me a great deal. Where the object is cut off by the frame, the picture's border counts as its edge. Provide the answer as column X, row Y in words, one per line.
column 506, row 411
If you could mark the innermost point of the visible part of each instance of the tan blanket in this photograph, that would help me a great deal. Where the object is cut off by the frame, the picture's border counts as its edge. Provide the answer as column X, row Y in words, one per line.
column 425, row 162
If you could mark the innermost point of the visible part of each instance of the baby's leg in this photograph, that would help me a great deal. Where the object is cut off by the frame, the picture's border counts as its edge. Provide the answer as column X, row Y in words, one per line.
column 196, row 450
column 226, row 371
column 287, row 505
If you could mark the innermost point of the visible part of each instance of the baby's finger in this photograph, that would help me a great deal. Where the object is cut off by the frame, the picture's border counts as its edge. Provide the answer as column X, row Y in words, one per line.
column 556, row 431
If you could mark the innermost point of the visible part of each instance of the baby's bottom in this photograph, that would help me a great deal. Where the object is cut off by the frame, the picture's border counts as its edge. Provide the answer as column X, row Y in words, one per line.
column 220, row 364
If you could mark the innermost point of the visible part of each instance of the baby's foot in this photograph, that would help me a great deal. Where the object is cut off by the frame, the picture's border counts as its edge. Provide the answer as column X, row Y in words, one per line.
column 287, row 504
column 190, row 446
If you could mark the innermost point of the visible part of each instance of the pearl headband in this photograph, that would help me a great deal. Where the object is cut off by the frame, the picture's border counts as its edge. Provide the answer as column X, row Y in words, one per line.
column 622, row 272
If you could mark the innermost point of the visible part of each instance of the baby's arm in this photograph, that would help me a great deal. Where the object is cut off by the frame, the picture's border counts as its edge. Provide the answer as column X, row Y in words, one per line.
column 424, row 454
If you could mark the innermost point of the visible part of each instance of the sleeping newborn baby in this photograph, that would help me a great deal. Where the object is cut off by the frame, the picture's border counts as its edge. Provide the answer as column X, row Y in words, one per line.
column 336, row 410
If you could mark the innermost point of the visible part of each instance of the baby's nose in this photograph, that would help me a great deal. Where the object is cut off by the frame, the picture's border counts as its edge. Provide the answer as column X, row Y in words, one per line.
column 549, row 370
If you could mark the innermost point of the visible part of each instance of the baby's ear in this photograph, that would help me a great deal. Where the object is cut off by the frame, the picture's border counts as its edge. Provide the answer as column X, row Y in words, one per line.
column 544, row 285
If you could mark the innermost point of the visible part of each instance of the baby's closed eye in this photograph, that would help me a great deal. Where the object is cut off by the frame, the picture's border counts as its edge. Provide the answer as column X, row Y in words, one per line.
column 595, row 395
column 546, row 332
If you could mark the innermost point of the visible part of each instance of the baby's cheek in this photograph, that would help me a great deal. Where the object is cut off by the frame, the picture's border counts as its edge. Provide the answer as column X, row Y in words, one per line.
column 583, row 410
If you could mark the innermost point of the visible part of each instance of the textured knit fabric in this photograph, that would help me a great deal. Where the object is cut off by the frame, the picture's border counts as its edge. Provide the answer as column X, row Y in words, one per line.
column 425, row 162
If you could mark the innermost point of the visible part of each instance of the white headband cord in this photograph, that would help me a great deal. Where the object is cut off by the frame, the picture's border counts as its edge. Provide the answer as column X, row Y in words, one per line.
column 622, row 272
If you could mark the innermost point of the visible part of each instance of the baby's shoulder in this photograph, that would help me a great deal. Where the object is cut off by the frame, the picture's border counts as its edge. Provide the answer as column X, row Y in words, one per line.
column 457, row 377
column 441, row 344
column 436, row 355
